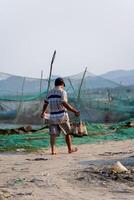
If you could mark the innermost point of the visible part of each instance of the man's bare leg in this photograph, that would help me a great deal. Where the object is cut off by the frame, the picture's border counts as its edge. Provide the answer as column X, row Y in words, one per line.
column 69, row 144
column 52, row 142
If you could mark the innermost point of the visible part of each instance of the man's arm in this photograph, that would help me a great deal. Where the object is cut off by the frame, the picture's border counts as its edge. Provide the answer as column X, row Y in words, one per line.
column 71, row 108
column 44, row 109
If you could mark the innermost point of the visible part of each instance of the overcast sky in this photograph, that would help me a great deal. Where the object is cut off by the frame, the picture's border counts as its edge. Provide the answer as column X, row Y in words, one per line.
column 98, row 34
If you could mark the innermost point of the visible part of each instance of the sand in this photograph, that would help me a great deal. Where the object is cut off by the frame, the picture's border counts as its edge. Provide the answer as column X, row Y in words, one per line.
column 76, row 176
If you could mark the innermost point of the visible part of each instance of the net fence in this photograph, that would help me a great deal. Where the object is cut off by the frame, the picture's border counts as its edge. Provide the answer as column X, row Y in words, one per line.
column 98, row 99
column 105, row 107
column 97, row 132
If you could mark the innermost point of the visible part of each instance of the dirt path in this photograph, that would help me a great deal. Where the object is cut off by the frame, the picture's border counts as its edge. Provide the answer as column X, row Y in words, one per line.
column 40, row 176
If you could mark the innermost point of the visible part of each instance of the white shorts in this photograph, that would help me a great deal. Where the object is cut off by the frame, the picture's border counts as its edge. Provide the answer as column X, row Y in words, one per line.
column 56, row 129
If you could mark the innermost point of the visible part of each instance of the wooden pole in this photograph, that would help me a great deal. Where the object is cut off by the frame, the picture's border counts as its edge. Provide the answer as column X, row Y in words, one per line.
column 50, row 73
column 79, row 91
column 71, row 84
column 41, row 78
column 21, row 98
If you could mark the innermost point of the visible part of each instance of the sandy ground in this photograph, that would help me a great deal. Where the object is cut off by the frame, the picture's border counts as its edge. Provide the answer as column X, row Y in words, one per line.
column 41, row 176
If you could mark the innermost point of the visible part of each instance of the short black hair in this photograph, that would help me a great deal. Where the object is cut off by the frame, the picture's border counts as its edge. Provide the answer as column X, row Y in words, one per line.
column 59, row 81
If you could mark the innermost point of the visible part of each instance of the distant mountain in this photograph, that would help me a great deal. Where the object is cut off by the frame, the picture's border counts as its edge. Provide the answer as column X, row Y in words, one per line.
column 53, row 77
column 12, row 84
column 4, row 76
column 124, row 77
column 91, row 81
column 80, row 75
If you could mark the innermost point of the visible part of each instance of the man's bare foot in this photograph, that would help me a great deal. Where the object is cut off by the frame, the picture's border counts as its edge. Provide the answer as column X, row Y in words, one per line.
column 73, row 150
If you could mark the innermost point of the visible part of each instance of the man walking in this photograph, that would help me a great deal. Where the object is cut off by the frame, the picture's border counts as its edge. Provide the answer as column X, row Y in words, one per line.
column 57, row 105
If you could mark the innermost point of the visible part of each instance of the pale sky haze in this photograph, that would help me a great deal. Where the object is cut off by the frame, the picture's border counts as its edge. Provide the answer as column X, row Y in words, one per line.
column 98, row 34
